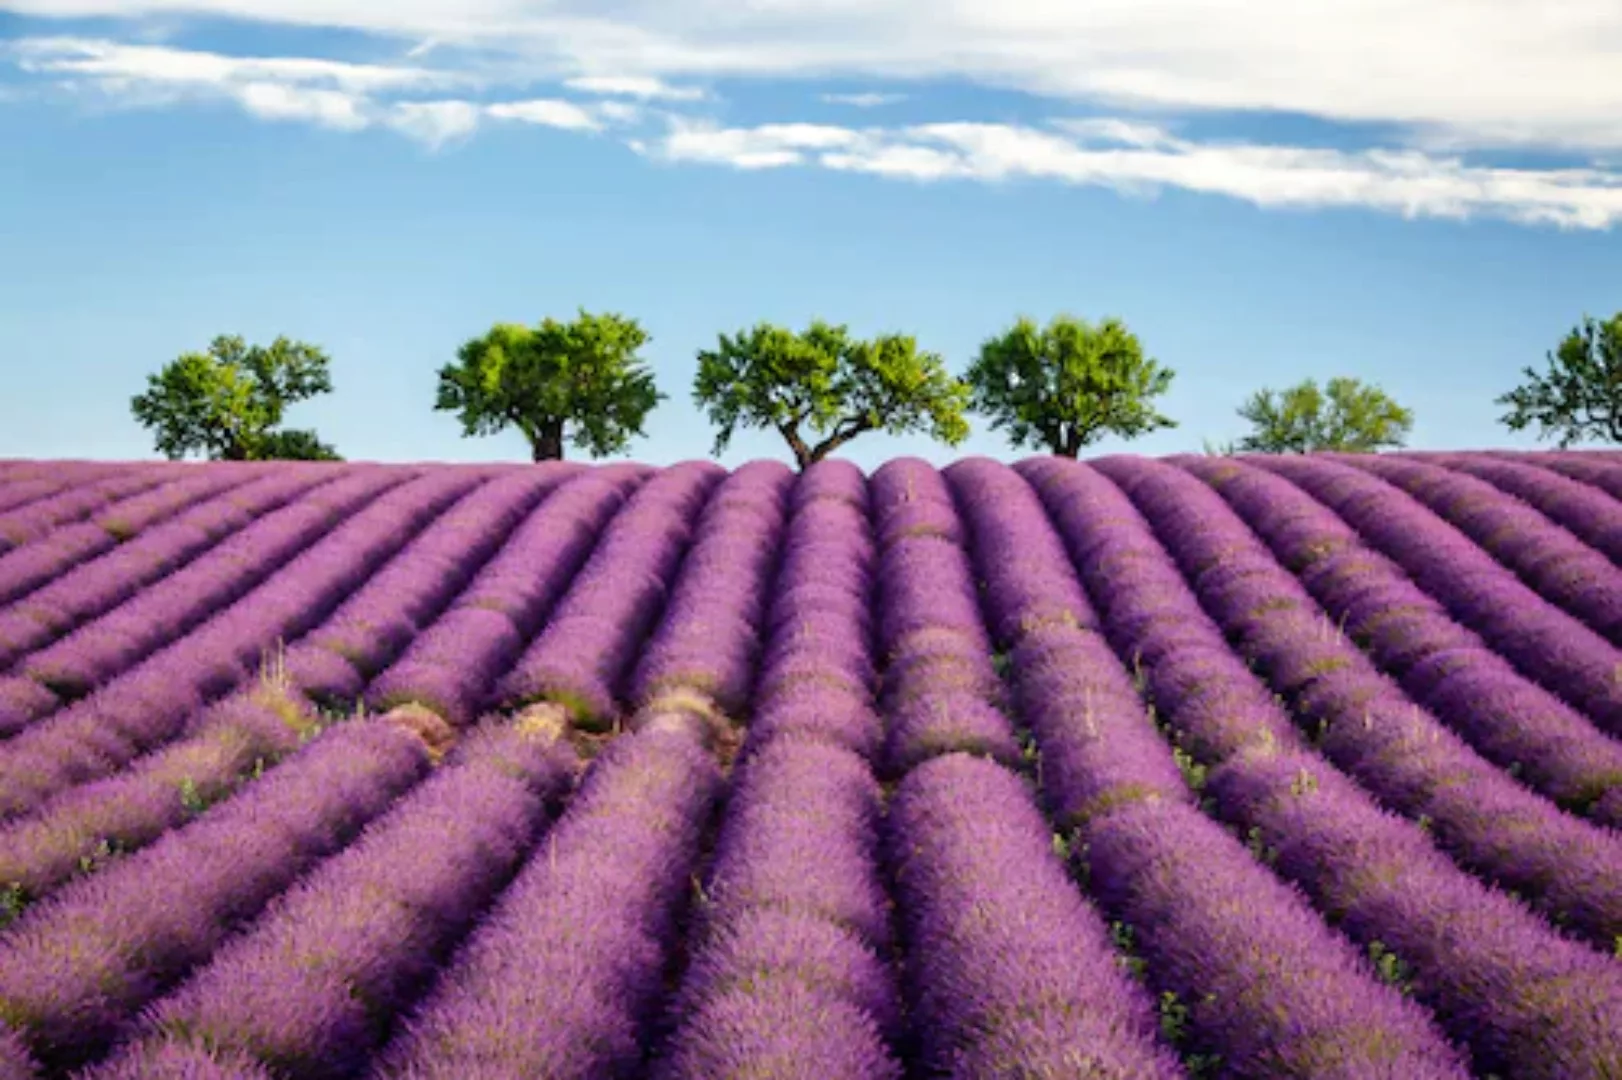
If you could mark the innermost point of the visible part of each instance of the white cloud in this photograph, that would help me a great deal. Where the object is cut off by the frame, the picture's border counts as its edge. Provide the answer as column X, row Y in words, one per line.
column 863, row 101
column 547, row 112
column 643, row 87
column 1448, row 78
column 324, row 108
column 1527, row 70
column 1410, row 183
column 97, row 59
column 434, row 122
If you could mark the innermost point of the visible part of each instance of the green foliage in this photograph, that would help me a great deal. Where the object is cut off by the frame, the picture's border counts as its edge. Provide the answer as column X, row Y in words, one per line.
column 581, row 379
column 228, row 403
column 1581, row 395
column 1346, row 416
column 1067, row 385
column 828, row 383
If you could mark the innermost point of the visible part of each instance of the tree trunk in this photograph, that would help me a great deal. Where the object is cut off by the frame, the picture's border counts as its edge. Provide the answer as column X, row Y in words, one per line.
column 547, row 445
column 1068, row 443
column 802, row 453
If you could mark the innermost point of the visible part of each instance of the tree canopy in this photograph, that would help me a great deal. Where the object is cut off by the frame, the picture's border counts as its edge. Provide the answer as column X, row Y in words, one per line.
column 822, row 387
column 1346, row 416
column 227, row 404
column 1581, row 395
column 1063, row 386
column 580, row 380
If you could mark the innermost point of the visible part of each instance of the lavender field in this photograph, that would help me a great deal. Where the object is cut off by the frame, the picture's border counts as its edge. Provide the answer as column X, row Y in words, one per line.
column 1136, row 768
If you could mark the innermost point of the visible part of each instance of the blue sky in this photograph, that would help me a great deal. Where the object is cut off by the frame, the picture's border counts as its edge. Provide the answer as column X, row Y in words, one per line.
column 1264, row 193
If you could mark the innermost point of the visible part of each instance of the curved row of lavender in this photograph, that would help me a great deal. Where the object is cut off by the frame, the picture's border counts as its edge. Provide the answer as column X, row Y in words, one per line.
column 76, row 968
column 1037, row 990
column 1269, row 990
column 1362, row 721
column 1586, row 512
column 149, row 703
column 1513, row 722
column 590, row 925
column 1548, row 558
column 312, row 988
column 257, row 726
column 590, row 642
column 1497, row 978
column 51, row 595
column 1544, row 643
column 451, row 665
column 788, row 973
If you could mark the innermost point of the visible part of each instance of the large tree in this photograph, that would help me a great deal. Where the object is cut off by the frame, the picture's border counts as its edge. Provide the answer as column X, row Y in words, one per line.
column 821, row 387
column 579, row 380
column 1581, row 396
column 1346, row 416
column 1063, row 386
column 227, row 404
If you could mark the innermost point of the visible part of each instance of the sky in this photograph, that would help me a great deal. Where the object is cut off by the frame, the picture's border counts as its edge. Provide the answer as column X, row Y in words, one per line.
column 1423, row 196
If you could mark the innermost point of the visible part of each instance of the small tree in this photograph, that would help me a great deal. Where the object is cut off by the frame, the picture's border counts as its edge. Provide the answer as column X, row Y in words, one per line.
column 582, row 380
column 826, row 385
column 1062, row 387
column 1581, row 396
column 227, row 403
column 1347, row 416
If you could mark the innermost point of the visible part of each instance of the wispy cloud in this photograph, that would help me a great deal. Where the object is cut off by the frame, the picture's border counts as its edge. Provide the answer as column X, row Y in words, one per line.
column 864, row 101
column 1453, row 80
column 548, row 112
column 1139, row 160
column 643, row 87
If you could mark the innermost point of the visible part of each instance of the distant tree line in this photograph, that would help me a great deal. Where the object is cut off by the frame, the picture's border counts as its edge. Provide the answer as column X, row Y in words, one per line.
column 1056, row 388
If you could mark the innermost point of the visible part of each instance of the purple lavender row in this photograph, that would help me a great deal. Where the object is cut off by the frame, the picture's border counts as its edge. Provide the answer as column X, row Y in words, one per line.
column 91, row 588
column 1036, row 989
column 1362, row 722
column 32, row 481
column 1444, row 666
column 76, row 968
column 450, row 667
column 151, row 704
column 1268, row 986
column 708, row 639
column 1012, row 973
column 1541, row 641
column 260, row 724
column 1585, row 467
column 179, row 1061
column 1560, row 567
column 168, row 609
column 816, row 675
column 24, row 569
column 1497, row 986
column 75, row 504
column 1529, row 1003
column 589, row 644
column 563, row 979
column 1098, row 742
column 941, row 692
column 1590, row 515
column 333, row 663
column 310, row 989
column 159, row 792
column 788, row 976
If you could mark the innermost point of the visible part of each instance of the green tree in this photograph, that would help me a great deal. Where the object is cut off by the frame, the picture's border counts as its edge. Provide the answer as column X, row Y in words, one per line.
column 1063, row 386
column 582, row 380
column 1581, row 396
column 227, row 404
column 821, row 388
column 1345, row 416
